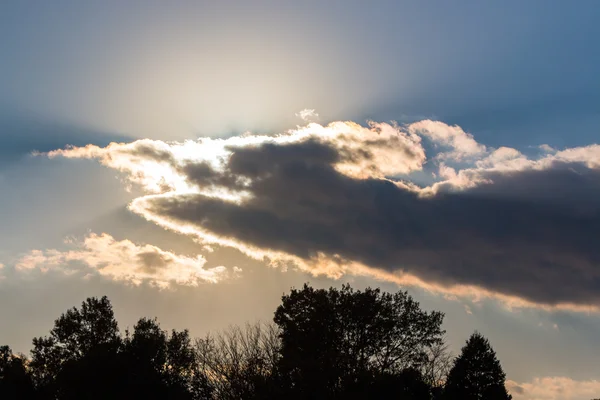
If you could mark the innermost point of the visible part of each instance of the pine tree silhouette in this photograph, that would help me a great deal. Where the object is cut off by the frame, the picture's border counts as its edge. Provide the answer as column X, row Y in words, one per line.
column 476, row 374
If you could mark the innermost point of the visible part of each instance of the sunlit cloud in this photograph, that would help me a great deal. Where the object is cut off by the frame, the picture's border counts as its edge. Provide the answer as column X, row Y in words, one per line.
column 377, row 150
column 125, row 261
column 339, row 199
column 460, row 143
column 547, row 148
column 554, row 388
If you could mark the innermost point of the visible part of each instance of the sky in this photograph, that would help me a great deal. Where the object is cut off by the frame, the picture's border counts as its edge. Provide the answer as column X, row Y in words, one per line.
column 196, row 160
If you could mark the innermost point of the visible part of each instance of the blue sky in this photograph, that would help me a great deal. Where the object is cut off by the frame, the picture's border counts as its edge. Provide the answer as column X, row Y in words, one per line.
column 486, row 75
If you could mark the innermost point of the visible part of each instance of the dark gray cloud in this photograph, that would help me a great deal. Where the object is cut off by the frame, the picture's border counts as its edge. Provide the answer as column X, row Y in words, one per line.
column 567, row 185
column 152, row 260
column 532, row 234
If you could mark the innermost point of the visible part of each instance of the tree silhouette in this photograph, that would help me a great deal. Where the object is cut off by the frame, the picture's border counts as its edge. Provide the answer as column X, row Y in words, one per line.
column 241, row 361
column 15, row 381
column 161, row 365
column 437, row 366
column 80, row 352
column 477, row 373
column 84, row 357
column 324, row 344
column 336, row 342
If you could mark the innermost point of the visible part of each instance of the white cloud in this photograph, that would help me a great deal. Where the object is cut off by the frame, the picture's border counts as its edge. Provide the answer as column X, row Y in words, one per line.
column 589, row 155
column 447, row 172
column 506, row 161
column 462, row 144
column 503, row 158
column 308, row 114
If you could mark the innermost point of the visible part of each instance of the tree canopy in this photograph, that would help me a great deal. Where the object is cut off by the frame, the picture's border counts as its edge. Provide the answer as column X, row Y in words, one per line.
column 339, row 341
column 322, row 344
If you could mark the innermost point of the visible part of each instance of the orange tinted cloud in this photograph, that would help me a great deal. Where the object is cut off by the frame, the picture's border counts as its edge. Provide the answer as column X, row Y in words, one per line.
column 554, row 388
column 125, row 261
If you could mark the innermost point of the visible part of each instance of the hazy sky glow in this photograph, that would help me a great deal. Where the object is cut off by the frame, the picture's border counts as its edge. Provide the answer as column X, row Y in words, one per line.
column 193, row 161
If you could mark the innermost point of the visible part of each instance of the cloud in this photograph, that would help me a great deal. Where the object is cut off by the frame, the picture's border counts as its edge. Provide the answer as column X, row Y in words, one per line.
column 554, row 388
column 462, row 144
column 377, row 150
column 506, row 163
column 125, row 261
column 340, row 199
column 307, row 114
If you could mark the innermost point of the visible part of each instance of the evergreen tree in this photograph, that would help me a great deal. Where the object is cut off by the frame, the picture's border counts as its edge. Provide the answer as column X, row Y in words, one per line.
column 476, row 374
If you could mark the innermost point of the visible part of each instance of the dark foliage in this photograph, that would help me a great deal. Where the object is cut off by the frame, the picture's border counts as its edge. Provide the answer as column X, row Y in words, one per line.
column 15, row 379
column 476, row 374
column 324, row 344
column 335, row 341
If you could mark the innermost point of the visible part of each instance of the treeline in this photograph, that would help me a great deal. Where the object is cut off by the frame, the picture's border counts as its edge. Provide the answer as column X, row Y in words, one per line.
column 322, row 344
